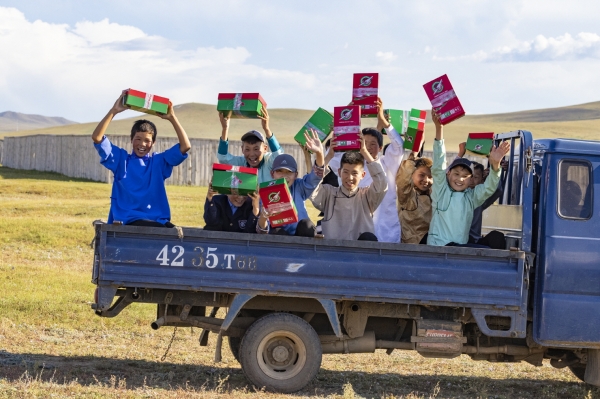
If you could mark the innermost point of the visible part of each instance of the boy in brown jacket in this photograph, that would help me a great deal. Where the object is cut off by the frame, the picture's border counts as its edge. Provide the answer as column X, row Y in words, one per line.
column 413, row 186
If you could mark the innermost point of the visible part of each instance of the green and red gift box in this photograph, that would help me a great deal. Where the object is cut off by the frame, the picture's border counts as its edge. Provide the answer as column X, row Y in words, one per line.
column 237, row 180
column 480, row 143
column 278, row 202
column 365, row 87
column 241, row 105
column 145, row 102
column 414, row 136
column 321, row 122
column 443, row 99
column 346, row 127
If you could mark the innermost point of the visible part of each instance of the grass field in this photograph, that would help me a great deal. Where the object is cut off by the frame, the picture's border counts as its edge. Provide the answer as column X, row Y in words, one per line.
column 52, row 344
column 201, row 121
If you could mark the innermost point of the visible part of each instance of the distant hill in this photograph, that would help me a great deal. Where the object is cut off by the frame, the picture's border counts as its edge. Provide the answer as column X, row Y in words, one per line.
column 14, row 121
column 201, row 121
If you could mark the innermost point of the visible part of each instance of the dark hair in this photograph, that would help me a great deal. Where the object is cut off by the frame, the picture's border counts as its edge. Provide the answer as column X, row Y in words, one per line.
column 252, row 140
column 369, row 131
column 352, row 158
column 144, row 126
column 428, row 163
column 477, row 166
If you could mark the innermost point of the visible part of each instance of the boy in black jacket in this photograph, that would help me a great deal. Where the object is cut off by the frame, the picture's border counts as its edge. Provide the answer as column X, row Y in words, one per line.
column 234, row 213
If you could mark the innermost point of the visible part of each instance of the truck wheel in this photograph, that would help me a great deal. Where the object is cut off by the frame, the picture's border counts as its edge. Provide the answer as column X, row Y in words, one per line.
column 280, row 352
column 234, row 346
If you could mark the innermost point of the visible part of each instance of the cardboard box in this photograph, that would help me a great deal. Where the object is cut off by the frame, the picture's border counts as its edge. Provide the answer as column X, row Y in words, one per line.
column 321, row 122
column 145, row 102
column 237, row 180
column 365, row 88
column 480, row 143
column 277, row 200
column 413, row 139
column 443, row 99
column 241, row 105
column 398, row 119
column 346, row 127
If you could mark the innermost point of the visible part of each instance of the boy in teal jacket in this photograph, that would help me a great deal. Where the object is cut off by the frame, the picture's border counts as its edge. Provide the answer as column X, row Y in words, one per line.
column 452, row 200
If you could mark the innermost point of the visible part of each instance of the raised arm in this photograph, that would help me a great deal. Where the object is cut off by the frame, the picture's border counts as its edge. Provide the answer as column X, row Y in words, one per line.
column 184, row 141
column 487, row 189
column 438, row 170
column 100, row 130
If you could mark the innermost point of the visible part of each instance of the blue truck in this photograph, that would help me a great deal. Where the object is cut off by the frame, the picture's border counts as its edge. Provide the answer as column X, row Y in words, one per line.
column 291, row 299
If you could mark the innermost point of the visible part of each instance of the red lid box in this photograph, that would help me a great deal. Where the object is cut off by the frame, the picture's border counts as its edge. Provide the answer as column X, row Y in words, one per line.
column 145, row 102
column 413, row 139
column 237, row 180
column 480, row 143
column 241, row 105
column 346, row 127
column 443, row 99
column 277, row 200
column 364, row 93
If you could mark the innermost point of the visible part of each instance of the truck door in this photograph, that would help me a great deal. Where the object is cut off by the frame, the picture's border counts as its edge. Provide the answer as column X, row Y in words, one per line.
column 567, row 299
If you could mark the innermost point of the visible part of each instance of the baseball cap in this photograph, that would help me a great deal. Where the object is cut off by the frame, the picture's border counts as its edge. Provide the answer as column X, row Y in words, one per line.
column 254, row 133
column 464, row 162
column 285, row 161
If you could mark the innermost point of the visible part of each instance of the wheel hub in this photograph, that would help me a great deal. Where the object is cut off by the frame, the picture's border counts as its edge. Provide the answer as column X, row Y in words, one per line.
column 280, row 352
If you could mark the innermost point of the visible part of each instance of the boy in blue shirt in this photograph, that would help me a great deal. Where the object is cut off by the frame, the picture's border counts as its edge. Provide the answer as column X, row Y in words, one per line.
column 255, row 147
column 138, row 193
column 452, row 199
column 285, row 167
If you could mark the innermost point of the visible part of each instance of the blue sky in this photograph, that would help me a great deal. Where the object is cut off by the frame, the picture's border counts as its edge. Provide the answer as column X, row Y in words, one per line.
column 72, row 58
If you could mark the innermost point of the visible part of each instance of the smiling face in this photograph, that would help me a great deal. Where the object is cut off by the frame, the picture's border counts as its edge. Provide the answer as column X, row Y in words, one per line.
column 142, row 143
column 372, row 145
column 254, row 153
column 459, row 178
column 422, row 179
column 351, row 175
column 288, row 175
column 237, row 200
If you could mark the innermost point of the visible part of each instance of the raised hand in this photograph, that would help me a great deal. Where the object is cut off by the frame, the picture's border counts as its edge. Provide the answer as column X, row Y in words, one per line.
column 313, row 144
column 265, row 122
column 382, row 121
column 255, row 203
column 439, row 129
column 170, row 115
column 498, row 153
column 210, row 193
column 462, row 149
column 118, row 106
column 363, row 149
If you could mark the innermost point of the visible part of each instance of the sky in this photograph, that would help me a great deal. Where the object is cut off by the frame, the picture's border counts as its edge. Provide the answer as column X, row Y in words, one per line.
column 72, row 58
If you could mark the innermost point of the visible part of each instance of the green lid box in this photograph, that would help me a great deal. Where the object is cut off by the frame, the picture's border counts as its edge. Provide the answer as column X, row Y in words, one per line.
column 277, row 200
column 237, row 180
column 144, row 102
column 321, row 122
column 241, row 105
column 480, row 143
column 414, row 137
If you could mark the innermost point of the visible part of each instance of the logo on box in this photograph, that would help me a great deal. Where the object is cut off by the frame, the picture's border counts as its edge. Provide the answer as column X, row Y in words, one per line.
column 478, row 147
column 346, row 114
column 366, row 80
column 274, row 197
column 437, row 87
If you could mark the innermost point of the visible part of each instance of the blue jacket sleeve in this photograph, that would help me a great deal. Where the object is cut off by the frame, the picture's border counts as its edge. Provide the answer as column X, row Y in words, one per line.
column 308, row 184
column 438, row 170
column 274, row 145
column 212, row 214
column 110, row 154
column 224, row 157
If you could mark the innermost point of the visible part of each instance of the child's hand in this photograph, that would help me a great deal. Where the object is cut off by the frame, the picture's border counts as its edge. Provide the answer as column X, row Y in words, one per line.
column 170, row 115
column 436, row 118
column 265, row 122
column 462, row 149
column 382, row 121
column 331, row 151
column 210, row 193
column 363, row 149
column 118, row 106
column 498, row 153
column 224, row 120
column 313, row 143
column 255, row 203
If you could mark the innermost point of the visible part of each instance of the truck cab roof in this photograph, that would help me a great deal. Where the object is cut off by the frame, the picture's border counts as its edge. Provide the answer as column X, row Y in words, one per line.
column 566, row 146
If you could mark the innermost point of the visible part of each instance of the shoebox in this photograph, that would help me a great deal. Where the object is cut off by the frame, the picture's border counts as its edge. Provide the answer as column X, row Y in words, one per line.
column 145, row 102
column 413, row 139
column 365, row 88
column 237, row 180
column 346, row 127
column 241, row 105
column 443, row 99
column 321, row 122
column 480, row 143
column 277, row 200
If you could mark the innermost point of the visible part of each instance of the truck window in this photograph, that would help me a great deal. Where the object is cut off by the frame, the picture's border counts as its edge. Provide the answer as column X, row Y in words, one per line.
column 575, row 190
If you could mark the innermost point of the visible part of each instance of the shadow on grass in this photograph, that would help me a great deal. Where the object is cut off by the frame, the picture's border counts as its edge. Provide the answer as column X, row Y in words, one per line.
column 228, row 379
column 10, row 173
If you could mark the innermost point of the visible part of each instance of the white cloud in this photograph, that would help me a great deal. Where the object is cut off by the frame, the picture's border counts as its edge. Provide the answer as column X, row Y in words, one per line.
column 385, row 56
column 76, row 72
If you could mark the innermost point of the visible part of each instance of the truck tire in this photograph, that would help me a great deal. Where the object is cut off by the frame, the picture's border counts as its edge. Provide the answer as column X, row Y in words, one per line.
column 280, row 352
column 234, row 346
column 592, row 369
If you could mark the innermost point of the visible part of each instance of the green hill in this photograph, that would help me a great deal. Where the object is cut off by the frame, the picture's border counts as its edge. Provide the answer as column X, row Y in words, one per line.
column 201, row 121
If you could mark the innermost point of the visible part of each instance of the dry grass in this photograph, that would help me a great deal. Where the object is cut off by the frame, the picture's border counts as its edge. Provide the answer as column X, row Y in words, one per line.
column 52, row 345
